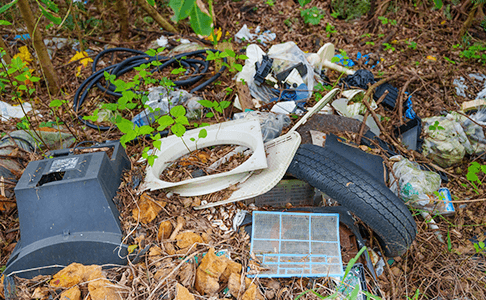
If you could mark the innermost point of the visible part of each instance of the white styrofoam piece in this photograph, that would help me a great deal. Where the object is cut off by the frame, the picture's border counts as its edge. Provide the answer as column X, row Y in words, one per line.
column 244, row 132
column 280, row 151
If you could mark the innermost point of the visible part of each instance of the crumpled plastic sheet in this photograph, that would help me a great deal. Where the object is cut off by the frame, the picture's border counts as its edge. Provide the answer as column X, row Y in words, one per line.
column 8, row 111
column 360, row 79
column 244, row 34
column 446, row 145
column 461, row 85
column 413, row 184
column 271, row 123
column 284, row 56
column 159, row 98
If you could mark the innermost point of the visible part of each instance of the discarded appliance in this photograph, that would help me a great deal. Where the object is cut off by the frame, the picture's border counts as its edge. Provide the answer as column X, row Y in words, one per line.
column 296, row 244
column 66, row 211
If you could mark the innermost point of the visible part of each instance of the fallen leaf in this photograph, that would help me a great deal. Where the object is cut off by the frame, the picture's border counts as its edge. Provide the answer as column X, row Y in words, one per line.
column 40, row 293
column 231, row 268
column 430, row 57
column 147, row 209
column 183, row 293
column 83, row 58
column 74, row 274
column 250, row 293
column 234, row 284
column 72, row 294
column 132, row 248
column 103, row 289
column 187, row 239
column 165, row 229
column 208, row 273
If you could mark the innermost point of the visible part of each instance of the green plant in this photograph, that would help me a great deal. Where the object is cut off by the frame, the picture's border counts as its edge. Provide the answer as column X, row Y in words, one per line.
column 355, row 290
column 231, row 64
column 472, row 175
column 480, row 247
column 388, row 47
column 330, row 29
column 203, row 133
column 415, row 295
column 436, row 126
column 370, row 43
column 312, row 15
column 134, row 96
column 270, row 3
column 349, row 9
column 449, row 60
column 385, row 20
column 412, row 45
column 288, row 23
column 200, row 22
column 216, row 108
column 475, row 52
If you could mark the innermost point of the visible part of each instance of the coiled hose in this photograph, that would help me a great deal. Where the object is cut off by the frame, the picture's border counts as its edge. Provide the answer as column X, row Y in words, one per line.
column 195, row 61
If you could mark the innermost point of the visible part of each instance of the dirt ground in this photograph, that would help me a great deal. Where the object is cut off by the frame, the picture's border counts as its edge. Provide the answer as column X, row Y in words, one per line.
column 418, row 48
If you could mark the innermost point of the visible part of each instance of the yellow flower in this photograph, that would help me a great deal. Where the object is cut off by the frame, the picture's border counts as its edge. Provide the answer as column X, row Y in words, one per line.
column 429, row 57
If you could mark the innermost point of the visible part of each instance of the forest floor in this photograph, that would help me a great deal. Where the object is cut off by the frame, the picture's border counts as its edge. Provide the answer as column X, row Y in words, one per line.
column 418, row 47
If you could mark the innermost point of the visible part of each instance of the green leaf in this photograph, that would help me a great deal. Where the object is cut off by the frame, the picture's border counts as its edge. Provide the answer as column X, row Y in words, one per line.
column 178, row 111
column 127, row 137
column 181, row 8
column 164, row 121
column 182, row 120
column 178, row 129
column 7, row 6
column 224, row 104
column 157, row 144
column 151, row 2
column 206, row 103
column 449, row 243
column 200, row 22
column 354, row 293
column 143, row 130
column 202, row 133
column 125, row 125
column 55, row 103
column 5, row 22
column 209, row 115
column 438, row 4
column 54, row 19
column 151, row 160
column 230, row 52
column 304, row 2
column 192, row 139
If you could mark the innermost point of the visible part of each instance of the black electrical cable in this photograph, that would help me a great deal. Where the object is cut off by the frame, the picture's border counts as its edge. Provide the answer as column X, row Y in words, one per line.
column 192, row 61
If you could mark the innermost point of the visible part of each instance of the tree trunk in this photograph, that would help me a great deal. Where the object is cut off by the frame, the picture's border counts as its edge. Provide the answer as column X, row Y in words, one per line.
column 6, row 57
column 468, row 23
column 156, row 16
column 122, row 8
column 40, row 47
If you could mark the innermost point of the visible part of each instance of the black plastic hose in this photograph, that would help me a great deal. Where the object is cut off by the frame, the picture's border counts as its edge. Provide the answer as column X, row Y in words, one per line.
column 195, row 61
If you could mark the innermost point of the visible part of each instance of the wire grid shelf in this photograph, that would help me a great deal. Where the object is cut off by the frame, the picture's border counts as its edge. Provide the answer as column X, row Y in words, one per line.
column 297, row 244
